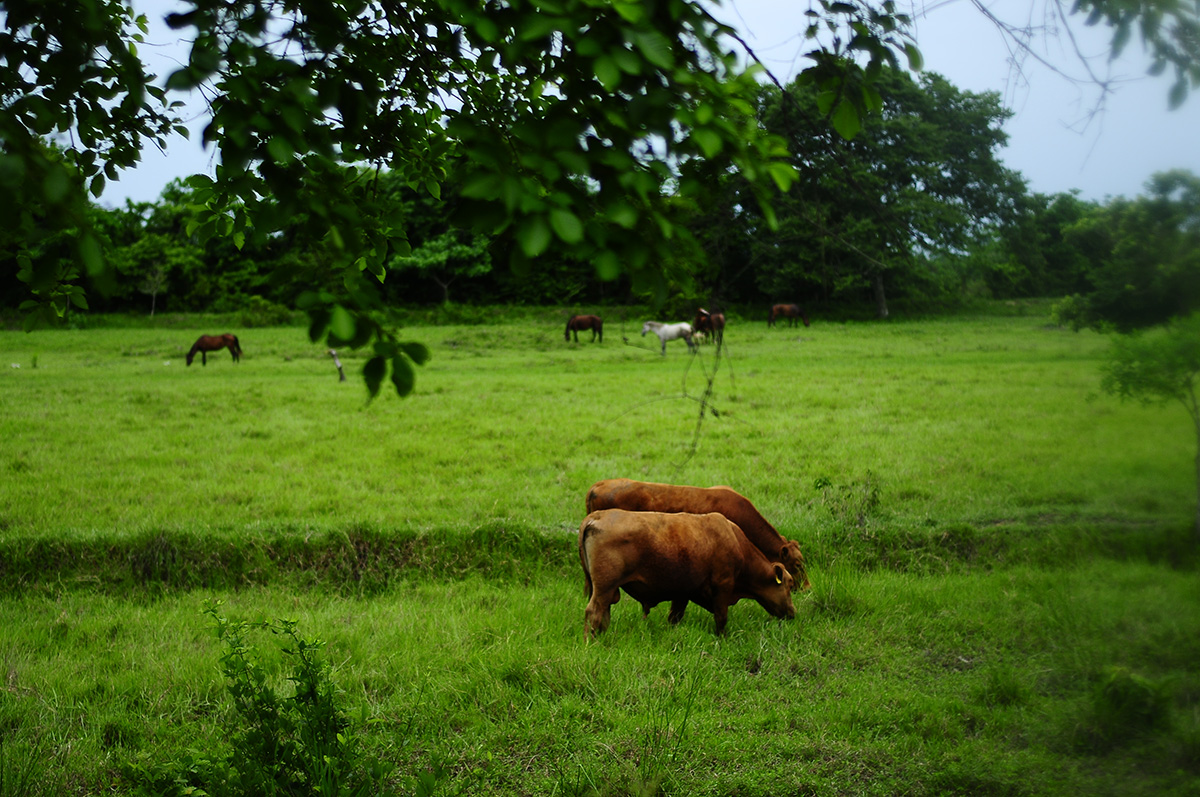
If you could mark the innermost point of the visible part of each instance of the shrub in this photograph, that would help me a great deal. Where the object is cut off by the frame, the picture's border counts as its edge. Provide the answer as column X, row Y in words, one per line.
column 286, row 745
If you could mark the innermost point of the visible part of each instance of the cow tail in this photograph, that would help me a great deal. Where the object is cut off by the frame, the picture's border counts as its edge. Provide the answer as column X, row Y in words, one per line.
column 584, row 533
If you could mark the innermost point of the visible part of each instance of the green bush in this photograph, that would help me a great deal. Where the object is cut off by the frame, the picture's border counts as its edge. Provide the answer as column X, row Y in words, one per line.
column 296, row 745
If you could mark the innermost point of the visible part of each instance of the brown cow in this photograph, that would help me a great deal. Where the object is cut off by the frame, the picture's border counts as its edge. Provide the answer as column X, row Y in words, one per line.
column 652, row 497
column 676, row 557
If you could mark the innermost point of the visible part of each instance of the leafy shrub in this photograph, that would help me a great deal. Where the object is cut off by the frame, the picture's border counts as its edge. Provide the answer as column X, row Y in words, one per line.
column 260, row 312
column 850, row 504
column 296, row 745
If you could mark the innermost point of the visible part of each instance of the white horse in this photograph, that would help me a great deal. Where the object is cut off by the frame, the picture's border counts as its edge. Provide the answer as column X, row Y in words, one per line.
column 667, row 332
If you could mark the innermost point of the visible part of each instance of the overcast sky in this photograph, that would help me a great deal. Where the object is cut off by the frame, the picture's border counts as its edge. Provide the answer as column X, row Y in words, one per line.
column 1113, row 155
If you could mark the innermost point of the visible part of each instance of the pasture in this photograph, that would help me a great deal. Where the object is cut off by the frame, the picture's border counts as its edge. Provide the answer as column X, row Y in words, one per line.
column 1005, row 596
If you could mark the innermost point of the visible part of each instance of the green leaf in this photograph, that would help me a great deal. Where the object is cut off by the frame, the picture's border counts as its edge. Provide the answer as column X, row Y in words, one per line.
column 629, row 61
column 607, row 72
column 630, row 11
column 709, row 141
column 567, row 225
column 608, row 266
column 624, row 214
column 845, row 120
column 341, row 323
column 280, row 150
column 373, row 373
column 1178, row 94
column 534, row 236
column 655, row 47
column 91, row 254
column 417, row 352
column 783, row 174
column 916, row 61
column 403, row 376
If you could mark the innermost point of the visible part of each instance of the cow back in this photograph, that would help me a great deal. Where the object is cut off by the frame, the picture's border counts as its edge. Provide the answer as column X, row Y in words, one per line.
column 637, row 496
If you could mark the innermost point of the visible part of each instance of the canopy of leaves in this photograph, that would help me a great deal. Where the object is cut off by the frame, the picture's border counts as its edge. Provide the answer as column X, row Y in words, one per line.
column 1144, row 257
column 579, row 122
column 921, row 178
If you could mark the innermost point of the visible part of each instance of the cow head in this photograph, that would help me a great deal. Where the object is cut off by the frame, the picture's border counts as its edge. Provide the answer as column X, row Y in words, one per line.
column 793, row 560
column 776, row 595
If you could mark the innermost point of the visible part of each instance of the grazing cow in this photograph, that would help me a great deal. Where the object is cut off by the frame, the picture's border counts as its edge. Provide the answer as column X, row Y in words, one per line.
column 652, row 497
column 789, row 311
column 676, row 557
column 712, row 323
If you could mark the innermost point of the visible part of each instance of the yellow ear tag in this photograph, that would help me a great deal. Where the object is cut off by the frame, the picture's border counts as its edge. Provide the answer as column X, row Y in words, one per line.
column 778, row 580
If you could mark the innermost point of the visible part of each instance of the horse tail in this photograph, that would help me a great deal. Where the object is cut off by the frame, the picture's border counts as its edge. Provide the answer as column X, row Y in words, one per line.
column 567, row 331
column 600, row 328
column 237, row 344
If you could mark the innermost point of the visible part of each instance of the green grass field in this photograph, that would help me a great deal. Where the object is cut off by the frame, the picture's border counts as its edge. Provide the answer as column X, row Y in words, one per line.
column 1005, row 595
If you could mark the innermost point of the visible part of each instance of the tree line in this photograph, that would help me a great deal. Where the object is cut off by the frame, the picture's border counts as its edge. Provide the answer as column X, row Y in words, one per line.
column 916, row 207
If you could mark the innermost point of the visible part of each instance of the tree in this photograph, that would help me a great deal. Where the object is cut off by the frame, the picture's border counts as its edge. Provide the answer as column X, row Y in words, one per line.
column 920, row 180
column 575, row 118
column 1031, row 254
column 1143, row 257
column 447, row 257
column 76, row 107
column 1160, row 366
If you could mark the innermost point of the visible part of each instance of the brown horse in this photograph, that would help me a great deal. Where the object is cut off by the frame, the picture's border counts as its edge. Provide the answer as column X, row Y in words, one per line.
column 207, row 343
column 789, row 311
column 584, row 322
column 712, row 323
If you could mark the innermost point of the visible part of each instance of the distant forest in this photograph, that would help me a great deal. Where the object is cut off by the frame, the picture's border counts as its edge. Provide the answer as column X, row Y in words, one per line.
column 916, row 209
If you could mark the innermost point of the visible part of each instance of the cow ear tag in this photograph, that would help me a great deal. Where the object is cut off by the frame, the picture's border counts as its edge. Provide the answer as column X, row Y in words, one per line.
column 778, row 580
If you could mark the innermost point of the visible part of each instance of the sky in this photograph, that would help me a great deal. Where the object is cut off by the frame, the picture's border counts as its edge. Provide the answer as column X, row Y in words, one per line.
column 1051, row 143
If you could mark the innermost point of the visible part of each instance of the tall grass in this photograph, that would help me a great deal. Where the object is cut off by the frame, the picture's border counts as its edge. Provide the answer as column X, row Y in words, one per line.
column 1004, row 587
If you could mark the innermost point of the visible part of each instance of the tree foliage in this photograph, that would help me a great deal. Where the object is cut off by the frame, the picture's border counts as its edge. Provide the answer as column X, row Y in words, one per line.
column 587, row 129
column 921, row 179
column 1162, row 366
column 1144, row 257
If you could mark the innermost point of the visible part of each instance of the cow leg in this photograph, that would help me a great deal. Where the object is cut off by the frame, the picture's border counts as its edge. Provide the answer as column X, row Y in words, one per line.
column 677, row 609
column 720, row 616
column 597, row 615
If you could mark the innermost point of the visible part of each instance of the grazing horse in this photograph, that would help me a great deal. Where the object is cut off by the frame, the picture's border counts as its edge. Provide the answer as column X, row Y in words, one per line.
column 712, row 323
column 585, row 322
column 667, row 332
column 789, row 311
column 207, row 343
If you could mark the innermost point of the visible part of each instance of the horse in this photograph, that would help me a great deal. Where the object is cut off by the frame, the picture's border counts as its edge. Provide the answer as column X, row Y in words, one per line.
column 789, row 311
column 712, row 323
column 667, row 332
column 585, row 322
column 207, row 343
